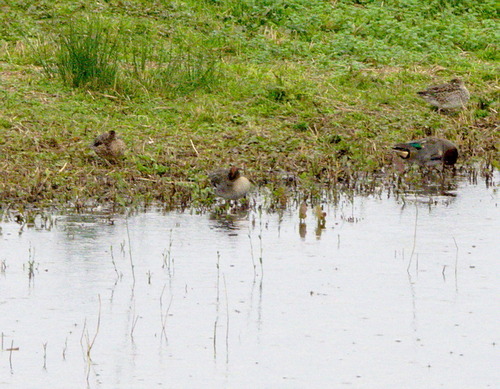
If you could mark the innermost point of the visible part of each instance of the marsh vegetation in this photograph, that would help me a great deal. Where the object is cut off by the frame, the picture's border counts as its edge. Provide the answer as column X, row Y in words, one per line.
column 313, row 90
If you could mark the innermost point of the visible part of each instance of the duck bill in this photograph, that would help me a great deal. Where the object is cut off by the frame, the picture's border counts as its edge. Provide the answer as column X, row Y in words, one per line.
column 403, row 153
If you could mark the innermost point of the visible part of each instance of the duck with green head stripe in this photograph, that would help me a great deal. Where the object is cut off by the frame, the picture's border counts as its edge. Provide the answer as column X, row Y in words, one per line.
column 428, row 151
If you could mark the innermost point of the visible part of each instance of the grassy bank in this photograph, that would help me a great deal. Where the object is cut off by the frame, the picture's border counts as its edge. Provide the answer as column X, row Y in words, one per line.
column 319, row 89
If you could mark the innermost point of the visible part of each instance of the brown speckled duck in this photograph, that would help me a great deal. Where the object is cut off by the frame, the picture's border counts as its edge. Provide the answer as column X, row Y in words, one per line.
column 428, row 151
column 229, row 183
column 109, row 146
column 452, row 95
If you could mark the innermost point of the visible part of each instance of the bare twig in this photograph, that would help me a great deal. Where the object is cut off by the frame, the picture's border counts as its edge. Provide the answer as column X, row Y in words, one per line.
column 260, row 257
column 133, row 326
column 113, row 262
column 194, row 148
column 64, row 167
column 45, row 356
column 414, row 237
column 164, row 317
column 10, row 354
column 167, row 255
column 217, row 307
column 456, row 265
column 97, row 328
column 251, row 253
column 227, row 320
column 83, row 333
column 130, row 253
column 90, row 344
column 65, row 348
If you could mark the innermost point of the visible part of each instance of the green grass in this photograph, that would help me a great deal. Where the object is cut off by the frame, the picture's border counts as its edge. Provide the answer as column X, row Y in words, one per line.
column 169, row 72
column 87, row 56
column 314, row 87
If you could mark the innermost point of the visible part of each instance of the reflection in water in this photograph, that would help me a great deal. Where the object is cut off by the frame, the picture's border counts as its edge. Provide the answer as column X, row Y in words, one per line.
column 302, row 229
column 320, row 220
column 302, row 220
column 319, row 215
column 434, row 182
column 386, row 286
column 229, row 221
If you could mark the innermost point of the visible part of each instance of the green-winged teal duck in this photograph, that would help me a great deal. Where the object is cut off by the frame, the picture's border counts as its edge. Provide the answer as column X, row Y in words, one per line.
column 229, row 183
column 451, row 95
column 109, row 146
column 428, row 151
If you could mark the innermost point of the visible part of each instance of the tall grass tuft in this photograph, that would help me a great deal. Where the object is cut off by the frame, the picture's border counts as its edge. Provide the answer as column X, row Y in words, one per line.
column 172, row 71
column 88, row 56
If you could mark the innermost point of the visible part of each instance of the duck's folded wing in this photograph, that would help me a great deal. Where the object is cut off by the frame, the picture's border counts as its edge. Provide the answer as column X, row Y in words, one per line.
column 444, row 88
column 436, row 155
column 216, row 177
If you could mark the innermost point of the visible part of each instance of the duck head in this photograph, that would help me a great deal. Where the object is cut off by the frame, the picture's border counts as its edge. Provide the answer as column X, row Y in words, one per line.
column 407, row 150
column 234, row 173
column 457, row 82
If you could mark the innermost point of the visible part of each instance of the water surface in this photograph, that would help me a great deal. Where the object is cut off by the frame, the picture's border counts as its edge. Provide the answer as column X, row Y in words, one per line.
column 389, row 294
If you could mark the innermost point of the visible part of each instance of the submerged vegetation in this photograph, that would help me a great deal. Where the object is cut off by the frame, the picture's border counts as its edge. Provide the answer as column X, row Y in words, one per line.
column 296, row 91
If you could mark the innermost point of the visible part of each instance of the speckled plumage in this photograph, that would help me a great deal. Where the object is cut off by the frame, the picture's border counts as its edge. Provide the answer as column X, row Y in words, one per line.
column 452, row 95
column 428, row 151
column 229, row 183
column 109, row 146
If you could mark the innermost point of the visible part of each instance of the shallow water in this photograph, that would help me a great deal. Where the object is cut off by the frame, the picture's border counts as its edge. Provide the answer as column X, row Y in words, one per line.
column 389, row 294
